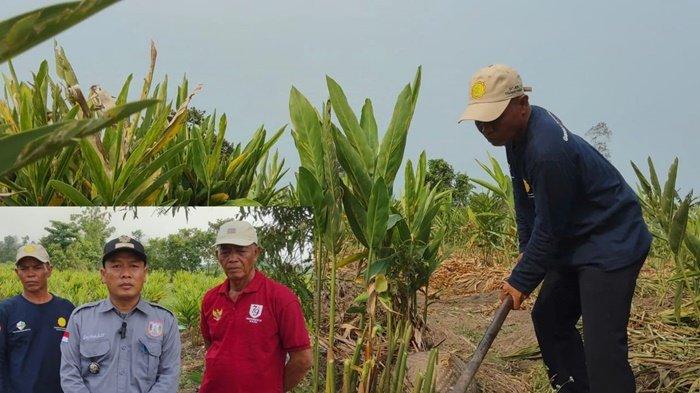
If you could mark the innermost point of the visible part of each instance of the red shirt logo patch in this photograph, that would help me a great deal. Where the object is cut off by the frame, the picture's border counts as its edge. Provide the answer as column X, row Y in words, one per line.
column 255, row 311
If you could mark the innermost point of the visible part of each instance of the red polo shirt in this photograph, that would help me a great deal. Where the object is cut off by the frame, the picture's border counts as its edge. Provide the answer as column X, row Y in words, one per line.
column 250, row 338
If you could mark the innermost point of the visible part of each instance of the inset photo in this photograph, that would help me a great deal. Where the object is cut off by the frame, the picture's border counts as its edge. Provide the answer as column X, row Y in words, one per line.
column 178, row 297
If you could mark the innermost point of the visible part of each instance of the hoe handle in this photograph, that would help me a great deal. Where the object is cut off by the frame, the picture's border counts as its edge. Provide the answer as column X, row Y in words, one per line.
column 468, row 375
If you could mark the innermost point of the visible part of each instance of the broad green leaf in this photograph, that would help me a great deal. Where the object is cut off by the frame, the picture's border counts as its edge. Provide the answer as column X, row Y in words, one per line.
column 669, row 196
column 356, row 215
column 653, row 177
column 98, row 172
column 377, row 214
column 646, row 187
column 307, row 133
column 70, row 192
column 24, row 31
column 394, row 142
column 679, row 223
column 369, row 125
column 352, row 164
column 348, row 121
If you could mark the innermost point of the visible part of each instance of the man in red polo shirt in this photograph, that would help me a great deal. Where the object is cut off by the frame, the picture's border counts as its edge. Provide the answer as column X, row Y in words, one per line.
column 253, row 326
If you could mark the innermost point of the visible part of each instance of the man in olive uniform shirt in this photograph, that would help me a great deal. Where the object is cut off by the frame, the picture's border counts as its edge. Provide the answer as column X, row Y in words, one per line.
column 122, row 343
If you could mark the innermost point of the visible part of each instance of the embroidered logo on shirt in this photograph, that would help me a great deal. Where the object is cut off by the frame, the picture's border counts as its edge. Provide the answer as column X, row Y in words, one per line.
column 65, row 337
column 21, row 325
column 60, row 324
column 527, row 186
column 217, row 313
column 255, row 311
column 154, row 329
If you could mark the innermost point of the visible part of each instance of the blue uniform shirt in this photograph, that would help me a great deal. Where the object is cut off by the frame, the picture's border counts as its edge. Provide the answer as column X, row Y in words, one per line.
column 30, row 338
column 573, row 208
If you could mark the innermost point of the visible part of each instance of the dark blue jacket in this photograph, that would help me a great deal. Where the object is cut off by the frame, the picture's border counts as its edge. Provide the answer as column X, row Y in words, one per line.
column 573, row 208
column 30, row 338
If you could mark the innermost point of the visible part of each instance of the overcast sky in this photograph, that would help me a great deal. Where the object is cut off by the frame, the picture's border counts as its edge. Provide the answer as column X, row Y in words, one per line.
column 631, row 64
column 31, row 221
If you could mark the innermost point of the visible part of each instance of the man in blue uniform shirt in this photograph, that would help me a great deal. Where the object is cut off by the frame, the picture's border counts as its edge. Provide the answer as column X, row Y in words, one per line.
column 121, row 344
column 31, row 327
column 581, row 233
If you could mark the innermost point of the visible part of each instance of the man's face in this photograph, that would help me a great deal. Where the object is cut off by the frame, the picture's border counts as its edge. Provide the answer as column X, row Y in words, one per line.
column 124, row 274
column 238, row 262
column 33, row 274
column 509, row 125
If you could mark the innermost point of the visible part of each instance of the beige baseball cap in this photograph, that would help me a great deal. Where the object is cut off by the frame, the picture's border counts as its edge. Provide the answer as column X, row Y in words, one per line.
column 32, row 250
column 490, row 92
column 240, row 233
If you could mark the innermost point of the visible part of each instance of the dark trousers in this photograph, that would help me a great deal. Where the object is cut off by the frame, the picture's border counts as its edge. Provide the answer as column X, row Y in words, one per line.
column 598, row 363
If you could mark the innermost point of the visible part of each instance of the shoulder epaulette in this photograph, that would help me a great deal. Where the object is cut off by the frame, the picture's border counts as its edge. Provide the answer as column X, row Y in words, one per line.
column 87, row 305
column 156, row 305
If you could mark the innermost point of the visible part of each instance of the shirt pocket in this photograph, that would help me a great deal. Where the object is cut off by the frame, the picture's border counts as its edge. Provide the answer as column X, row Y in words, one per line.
column 96, row 351
column 147, row 359
column 19, row 339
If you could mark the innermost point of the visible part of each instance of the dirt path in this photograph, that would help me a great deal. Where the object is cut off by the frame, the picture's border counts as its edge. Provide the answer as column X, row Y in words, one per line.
column 458, row 324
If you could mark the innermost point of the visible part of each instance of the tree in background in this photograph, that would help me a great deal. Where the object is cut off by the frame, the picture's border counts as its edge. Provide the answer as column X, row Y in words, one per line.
column 9, row 246
column 89, row 230
column 599, row 135
column 189, row 249
column 439, row 171
column 62, row 234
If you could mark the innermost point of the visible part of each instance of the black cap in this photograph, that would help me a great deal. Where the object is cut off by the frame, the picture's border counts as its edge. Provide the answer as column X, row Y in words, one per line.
column 123, row 243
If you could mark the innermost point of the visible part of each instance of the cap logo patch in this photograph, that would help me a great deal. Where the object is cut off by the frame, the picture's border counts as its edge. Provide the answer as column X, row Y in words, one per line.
column 517, row 89
column 124, row 239
column 478, row 89
column 29, row 248
column 121, row 245
column 231, row 230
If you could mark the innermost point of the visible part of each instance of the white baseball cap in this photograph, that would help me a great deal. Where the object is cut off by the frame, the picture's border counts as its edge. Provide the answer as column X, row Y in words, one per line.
column 33, row 250
column 490, row 91
column 240, row 233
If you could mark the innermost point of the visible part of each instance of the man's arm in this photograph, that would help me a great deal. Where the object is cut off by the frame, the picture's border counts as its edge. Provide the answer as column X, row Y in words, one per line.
column 296, row 368
column 71, row 377
column 554, row 186
column 168, row 378
column 295, row 341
